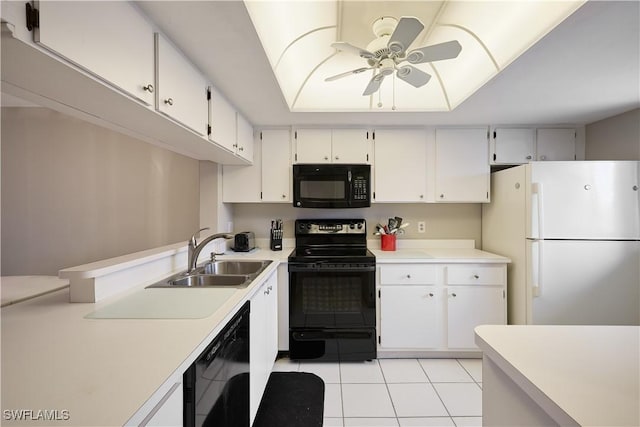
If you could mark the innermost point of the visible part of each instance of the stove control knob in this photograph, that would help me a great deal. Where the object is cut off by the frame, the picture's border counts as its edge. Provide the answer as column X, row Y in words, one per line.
column 360, row 225
column 352, row 226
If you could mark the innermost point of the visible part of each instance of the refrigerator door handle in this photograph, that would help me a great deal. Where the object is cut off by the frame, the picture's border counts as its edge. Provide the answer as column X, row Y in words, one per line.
column 536, row 268
column 537, row 222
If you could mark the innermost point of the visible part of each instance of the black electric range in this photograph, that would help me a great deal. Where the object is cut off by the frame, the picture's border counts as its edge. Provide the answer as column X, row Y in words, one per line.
column 332, row 291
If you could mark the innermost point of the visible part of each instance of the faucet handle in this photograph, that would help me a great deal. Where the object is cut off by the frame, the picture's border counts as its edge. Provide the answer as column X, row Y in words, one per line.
column 192, row 240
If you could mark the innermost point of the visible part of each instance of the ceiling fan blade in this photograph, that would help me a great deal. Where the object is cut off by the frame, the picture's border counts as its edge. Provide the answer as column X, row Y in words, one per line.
column 345, row 74
column 347, row 47
column 436, row 52
column 374, row 84
column 413, row 76
column 405, row 33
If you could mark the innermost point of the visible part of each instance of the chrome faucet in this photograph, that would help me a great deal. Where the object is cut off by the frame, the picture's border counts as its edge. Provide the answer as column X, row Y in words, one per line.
column 195, row 248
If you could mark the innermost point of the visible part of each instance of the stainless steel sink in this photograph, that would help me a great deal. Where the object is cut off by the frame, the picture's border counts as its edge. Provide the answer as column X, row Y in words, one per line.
column 235, row 267
column 216, row 274
column 208, row 280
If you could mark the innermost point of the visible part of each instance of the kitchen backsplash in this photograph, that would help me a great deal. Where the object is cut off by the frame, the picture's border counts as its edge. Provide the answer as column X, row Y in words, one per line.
column 443, row 221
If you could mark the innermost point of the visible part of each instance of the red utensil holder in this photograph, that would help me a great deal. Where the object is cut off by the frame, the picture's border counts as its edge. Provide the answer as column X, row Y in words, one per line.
column 388, row 242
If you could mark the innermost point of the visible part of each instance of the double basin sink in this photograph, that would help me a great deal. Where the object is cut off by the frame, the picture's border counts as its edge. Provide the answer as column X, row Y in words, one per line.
column 238, row 274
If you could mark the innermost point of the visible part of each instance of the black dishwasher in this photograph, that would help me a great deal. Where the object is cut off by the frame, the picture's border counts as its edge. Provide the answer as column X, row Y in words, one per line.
column 216, row 385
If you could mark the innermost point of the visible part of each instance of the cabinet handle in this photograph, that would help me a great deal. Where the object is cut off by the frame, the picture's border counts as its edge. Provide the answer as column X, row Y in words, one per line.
column 430, row 294
column 454, row 295
column 241, row 149
column 266, row 292
column 422, row 196
column 148, row 88
column 543, row 157
column 475, row 276
column 529, row 157
column 235, row 145
column 326, row 157
column 168, row 101
column 408, row 276
column 270, row 288
column 442, row 196
column 635, row 188
column 337, row 158
column 284, row 196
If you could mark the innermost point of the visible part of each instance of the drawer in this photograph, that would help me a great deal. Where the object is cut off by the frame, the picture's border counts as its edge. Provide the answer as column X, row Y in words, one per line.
column 475, row 275
column 407, row 274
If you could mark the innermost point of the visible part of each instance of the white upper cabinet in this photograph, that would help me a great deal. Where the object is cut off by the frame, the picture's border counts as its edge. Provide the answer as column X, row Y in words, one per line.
column 181, row 89
column 332, row 146
column 556, row 144
column 276, row 165
column 400, row 169
column 111, row 40
column 244, row 135
column 313, row 146
column 350, row 146
column 241, row 184
column 512, row 146
column 462, row 165
column 222, row 120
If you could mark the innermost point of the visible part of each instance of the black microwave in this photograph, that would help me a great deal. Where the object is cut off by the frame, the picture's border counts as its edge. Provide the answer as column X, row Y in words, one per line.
column 331, row 186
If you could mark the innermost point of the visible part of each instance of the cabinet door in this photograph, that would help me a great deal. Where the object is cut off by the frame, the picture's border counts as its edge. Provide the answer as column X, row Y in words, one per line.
column 222, row 119
column 350, row 146
column 409, row 316
column 263, row 336
column 169, row 410
column 513, row 146
column 181, row 89
column 400, row 170
column 313, row 146
column 111, row 40
column 241, row 184
column 244, row 144
column 462, row 165
column 470, row 306
column 556, row 144
column 276, row 165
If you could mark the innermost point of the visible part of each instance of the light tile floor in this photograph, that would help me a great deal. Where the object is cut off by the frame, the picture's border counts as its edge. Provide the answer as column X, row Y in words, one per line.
column 398, row 392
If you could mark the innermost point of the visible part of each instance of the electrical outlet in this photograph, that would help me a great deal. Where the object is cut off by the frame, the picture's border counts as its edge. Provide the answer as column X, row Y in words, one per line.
column 421, row 226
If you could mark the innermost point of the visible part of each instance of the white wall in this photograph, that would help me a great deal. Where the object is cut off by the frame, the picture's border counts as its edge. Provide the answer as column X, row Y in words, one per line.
column 74, row 192
column 614, row 138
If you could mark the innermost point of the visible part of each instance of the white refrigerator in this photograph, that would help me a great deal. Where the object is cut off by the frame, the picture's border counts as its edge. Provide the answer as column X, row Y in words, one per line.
column 572, row 231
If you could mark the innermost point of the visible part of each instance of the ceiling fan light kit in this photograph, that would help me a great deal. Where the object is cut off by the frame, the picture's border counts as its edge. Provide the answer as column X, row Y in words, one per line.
column 465, row 44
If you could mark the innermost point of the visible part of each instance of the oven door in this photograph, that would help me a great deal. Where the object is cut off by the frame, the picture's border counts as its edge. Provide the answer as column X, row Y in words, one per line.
column 322, row 296
column 332, row 313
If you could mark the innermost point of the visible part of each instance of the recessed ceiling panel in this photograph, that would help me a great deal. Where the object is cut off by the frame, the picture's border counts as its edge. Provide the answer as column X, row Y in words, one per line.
column 297, row 37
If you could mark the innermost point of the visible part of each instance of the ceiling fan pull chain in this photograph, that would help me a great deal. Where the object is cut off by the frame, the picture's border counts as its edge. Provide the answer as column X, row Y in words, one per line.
column 379, row 99
column 393, row 105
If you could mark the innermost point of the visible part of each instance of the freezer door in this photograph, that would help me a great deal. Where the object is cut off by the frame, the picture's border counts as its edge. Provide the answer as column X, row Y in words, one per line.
column 583, row 282
column 583, row 200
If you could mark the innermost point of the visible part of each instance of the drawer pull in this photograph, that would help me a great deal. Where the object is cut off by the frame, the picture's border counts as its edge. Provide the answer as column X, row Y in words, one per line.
column 408, row 276
column 454, row 295
column 430, row 294
column 475, row 276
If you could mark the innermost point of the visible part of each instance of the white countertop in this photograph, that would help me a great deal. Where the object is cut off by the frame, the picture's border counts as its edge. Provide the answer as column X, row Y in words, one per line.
column 438, row 255
column 101, row 370
column 14, row 289
column 104, row 370
column 589, row 375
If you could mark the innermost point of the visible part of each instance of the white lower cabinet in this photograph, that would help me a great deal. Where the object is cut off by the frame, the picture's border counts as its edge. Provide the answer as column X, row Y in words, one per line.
column 435, row 307
column 263, row 340
column 471, row 306
column 402, row 309
column 168, row 412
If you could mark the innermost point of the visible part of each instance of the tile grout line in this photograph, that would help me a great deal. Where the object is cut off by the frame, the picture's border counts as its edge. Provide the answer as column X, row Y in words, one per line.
column 386, row 385
column 436, row 391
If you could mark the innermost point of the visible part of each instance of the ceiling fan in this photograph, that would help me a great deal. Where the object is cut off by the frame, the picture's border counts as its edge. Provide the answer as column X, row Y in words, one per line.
column 388, row 51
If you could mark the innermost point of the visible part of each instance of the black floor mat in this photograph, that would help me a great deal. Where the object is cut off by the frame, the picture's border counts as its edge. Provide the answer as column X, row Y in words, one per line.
column 291, row 399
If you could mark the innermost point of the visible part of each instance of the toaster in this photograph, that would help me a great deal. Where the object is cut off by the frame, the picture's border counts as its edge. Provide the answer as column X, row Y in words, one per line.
column 244, row 241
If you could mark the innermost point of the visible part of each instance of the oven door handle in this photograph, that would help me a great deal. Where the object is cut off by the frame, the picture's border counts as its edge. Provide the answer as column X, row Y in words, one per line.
column 302, row 267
